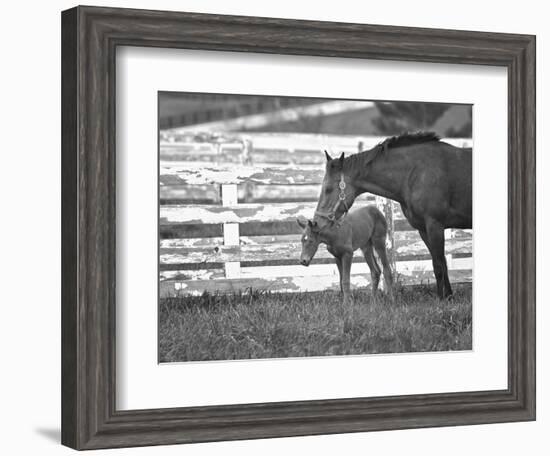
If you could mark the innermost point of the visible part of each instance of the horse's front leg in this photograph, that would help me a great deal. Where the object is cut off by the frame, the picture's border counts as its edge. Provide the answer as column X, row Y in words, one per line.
column 345, row 277
column 434, row 238
column 339, row 264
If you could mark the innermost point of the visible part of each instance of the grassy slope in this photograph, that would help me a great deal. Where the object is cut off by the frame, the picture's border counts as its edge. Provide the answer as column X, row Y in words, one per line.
column 269, row 325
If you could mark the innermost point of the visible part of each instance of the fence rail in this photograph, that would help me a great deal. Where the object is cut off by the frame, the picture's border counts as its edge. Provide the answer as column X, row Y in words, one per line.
column 228, row 210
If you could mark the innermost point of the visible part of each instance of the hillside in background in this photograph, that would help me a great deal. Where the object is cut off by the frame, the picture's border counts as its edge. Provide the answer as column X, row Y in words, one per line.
column 248, row 113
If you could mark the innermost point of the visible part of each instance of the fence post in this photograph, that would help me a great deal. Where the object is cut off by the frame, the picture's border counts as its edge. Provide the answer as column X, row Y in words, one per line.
column 246, row 159
column 231, row 231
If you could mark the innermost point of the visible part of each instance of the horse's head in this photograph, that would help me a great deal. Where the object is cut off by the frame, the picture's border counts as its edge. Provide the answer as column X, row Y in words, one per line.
column 310, row 240
column 337, row 191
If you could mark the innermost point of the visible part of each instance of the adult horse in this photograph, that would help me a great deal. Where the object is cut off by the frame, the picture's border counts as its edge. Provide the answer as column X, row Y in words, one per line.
column 432, row 180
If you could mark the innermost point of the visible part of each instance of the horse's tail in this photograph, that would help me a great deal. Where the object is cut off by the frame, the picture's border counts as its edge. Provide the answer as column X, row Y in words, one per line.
column 380, row 234
column 380, row 225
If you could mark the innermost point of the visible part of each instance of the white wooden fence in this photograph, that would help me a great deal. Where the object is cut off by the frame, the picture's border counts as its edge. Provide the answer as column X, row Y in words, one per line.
column 228, row 216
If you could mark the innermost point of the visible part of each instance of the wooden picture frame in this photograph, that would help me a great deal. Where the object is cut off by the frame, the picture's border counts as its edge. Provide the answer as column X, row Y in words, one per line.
column 90, row 36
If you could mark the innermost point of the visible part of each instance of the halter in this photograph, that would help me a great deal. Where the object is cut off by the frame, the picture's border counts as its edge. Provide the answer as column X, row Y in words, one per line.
column 331, row 215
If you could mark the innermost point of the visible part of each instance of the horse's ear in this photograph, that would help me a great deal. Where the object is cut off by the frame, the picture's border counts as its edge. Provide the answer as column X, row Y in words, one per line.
column 329, row 158
column 341, row 159
column 301, row 221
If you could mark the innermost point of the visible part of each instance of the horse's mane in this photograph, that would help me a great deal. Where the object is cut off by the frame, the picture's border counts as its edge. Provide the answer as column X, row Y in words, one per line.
column 409, row 139
column 405, row 139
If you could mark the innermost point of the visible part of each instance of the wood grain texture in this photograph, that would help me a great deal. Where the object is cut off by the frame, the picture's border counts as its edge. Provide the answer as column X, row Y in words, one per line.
column 69, row 231
column 89, row 39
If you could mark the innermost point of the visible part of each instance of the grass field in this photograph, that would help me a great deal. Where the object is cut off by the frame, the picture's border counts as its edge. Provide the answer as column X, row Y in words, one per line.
column 273, row 325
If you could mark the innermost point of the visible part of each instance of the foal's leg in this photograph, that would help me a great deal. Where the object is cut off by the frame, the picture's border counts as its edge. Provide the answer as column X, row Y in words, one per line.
column 373, row 266
column 434, row 238
column 379, row 243
column 346, row 268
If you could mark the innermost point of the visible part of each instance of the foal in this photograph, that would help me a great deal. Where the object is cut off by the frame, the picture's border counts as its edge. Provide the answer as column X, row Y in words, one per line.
column 363, row 229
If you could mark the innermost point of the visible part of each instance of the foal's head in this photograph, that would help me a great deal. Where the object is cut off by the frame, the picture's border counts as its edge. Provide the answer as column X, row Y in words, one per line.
column 310, row 240
column 337, row 192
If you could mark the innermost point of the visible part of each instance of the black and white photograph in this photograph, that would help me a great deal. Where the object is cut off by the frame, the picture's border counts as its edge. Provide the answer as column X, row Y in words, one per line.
column 275, row 228
column 297, row 227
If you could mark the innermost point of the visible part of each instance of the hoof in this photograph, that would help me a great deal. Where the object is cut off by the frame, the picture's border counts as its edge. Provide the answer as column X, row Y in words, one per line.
column 348, row 301
column 448, row 298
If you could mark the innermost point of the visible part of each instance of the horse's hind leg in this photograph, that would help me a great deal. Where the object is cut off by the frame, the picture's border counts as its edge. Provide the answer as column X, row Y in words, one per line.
column 380, row 246
column 375, row 272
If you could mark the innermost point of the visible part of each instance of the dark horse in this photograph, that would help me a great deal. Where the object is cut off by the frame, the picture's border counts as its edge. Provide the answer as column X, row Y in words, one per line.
column 432, row 180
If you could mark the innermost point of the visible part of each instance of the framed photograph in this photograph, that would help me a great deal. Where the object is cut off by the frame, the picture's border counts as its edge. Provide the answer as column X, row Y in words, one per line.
column 280, row 228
